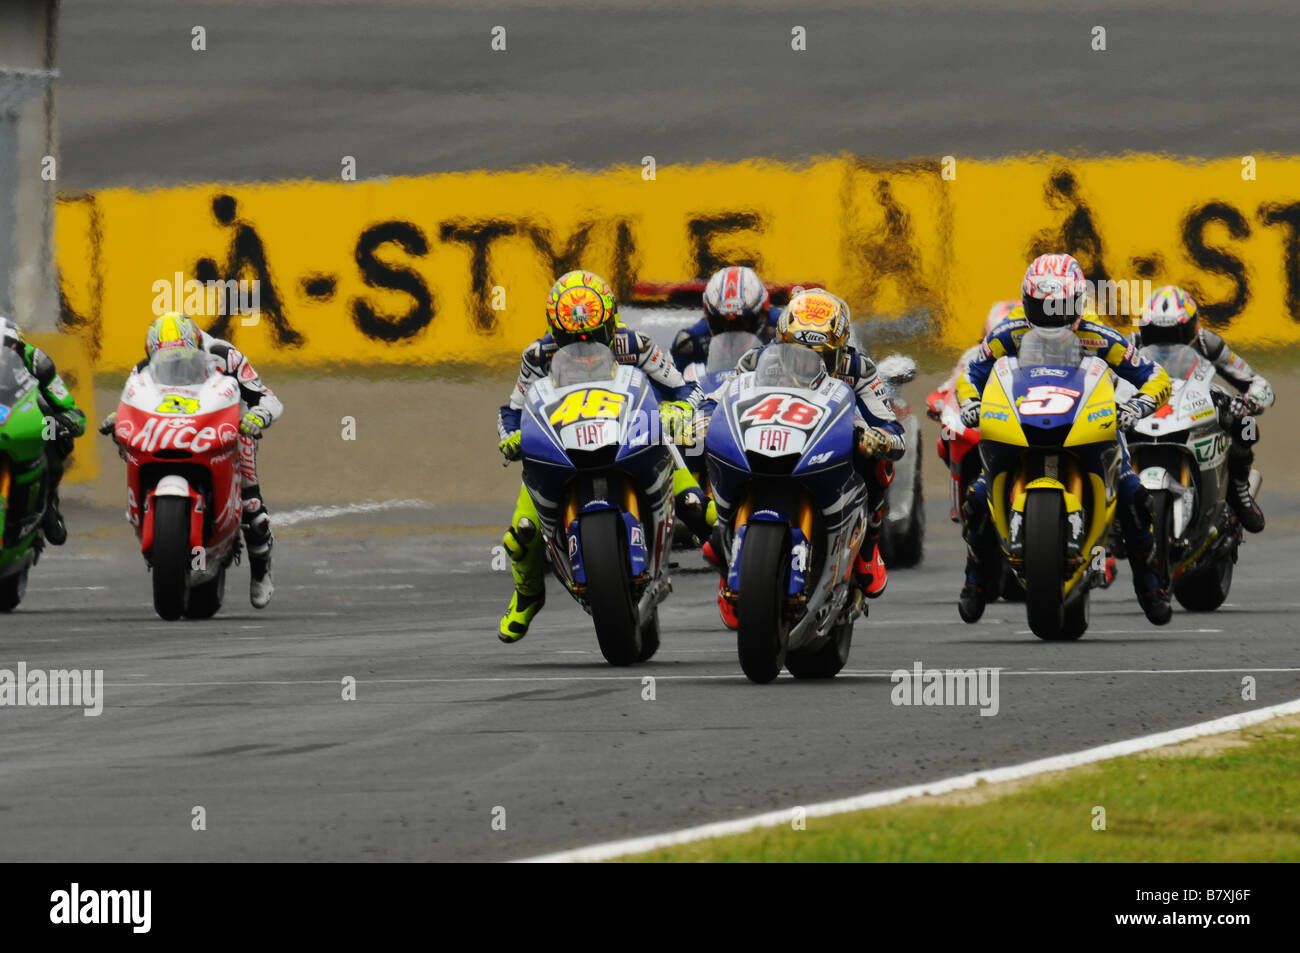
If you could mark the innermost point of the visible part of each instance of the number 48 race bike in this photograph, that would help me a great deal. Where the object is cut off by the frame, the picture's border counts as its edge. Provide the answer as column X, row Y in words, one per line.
column 1048, row 436
column 780, row 450
column 602, row 483
column 177, row 428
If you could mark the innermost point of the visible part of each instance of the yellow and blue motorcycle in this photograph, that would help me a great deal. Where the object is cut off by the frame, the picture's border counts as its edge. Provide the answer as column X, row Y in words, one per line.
column 1048, row 438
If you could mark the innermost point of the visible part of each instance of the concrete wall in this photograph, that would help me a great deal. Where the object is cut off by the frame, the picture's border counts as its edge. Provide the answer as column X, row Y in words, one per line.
column 28, row 290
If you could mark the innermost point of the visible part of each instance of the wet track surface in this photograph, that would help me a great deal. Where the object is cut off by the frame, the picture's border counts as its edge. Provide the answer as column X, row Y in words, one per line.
column 244, row 715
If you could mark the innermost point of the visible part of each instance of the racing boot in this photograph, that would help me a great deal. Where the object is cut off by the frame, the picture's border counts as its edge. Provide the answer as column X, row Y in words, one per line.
column 971, row 600
column 1240, row 500
column 1151, row 596
column 692, row 507
column 259, row 540
column 1135, row 522
column 523, row 543
column 725, row 608
column 975, row 591
column 56, row 531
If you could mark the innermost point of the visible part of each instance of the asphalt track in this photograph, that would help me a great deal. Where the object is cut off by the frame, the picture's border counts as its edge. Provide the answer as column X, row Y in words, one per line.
column 285, row 89
column 244, row 715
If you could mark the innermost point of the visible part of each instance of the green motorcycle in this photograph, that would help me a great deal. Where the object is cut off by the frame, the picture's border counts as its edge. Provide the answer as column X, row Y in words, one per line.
column 24, row 482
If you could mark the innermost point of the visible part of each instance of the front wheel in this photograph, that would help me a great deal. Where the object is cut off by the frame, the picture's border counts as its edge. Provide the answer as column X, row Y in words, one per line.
column 12, row 589
column 171, row 555
column 206, row 598
column 764, row 580
column 1045, row 567
column 827, row 661
column 609, row 591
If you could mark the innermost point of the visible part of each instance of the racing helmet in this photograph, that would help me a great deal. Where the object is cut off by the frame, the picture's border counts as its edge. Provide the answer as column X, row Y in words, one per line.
column 1169, row 317
column 581, row 307
column 1054, row 292
column 735, row 299
column 11, row 335
column 172, row 331
column 1002, row 311
column 818, row 320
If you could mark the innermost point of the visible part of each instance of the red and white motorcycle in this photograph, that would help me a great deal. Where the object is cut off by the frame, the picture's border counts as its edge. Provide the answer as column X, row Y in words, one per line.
column 177, row 428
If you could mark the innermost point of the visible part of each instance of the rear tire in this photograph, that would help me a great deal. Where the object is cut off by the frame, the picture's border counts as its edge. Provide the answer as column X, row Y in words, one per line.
column 1206, row 589
column 609, row 591
column 764, row 581
column 205, row 599
column 1044, row 566
column 827, row 661
column 12, row 590
column 904, row 547
column 171, row 555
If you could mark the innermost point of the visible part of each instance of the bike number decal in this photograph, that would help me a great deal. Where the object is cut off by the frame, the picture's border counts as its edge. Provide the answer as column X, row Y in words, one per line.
column 175, row 404
column 588, row 405
column 786, row 409
column 1044, row 399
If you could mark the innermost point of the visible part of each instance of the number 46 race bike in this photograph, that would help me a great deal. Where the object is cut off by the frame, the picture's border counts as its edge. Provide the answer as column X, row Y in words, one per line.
column 602, row 483
column 780, row 450
column 1048, row 436
column 177, row 428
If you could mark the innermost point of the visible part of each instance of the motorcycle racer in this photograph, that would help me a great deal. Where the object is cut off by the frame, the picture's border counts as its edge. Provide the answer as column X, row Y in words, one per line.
column 735, row 299
column 1054, row 297
column 259, row 408
column 581, row 307
column 69, row 421
column 1170, row 318
column 820, row 320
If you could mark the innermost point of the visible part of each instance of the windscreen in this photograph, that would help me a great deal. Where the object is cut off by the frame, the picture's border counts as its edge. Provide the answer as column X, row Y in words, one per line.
column 786, row 365
column 726, row 348
column 1178, row 359
column 179, row 368
column 1039, row 349
column 581, row 363
column 15, row 381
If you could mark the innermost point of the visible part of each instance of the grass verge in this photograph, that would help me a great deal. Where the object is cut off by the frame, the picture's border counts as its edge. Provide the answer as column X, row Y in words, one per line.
column 1226, row 798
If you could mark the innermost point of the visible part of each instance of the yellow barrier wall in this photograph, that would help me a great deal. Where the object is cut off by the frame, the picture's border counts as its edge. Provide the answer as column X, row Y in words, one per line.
column 404, row 270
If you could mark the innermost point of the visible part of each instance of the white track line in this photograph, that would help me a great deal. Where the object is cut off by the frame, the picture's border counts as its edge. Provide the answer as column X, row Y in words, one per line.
column 861, row 802
column 309, row 514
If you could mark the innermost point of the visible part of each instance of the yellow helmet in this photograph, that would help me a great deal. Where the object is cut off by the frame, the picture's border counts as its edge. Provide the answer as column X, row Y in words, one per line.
column 818, row 320
column 581, row 307
column 172, row 330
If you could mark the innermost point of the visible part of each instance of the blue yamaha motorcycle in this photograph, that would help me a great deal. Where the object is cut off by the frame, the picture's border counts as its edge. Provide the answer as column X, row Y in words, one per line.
column 602, row 481
column 780, row 456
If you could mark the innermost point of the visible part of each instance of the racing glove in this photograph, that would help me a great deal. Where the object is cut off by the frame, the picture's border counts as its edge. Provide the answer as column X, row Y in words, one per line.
column 1258, row 397
column 676, row 417
column 970, row 412
column 254, row 422
column 106, row 426
column 871, row 442
column 512, row 447
column 1131, row 411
